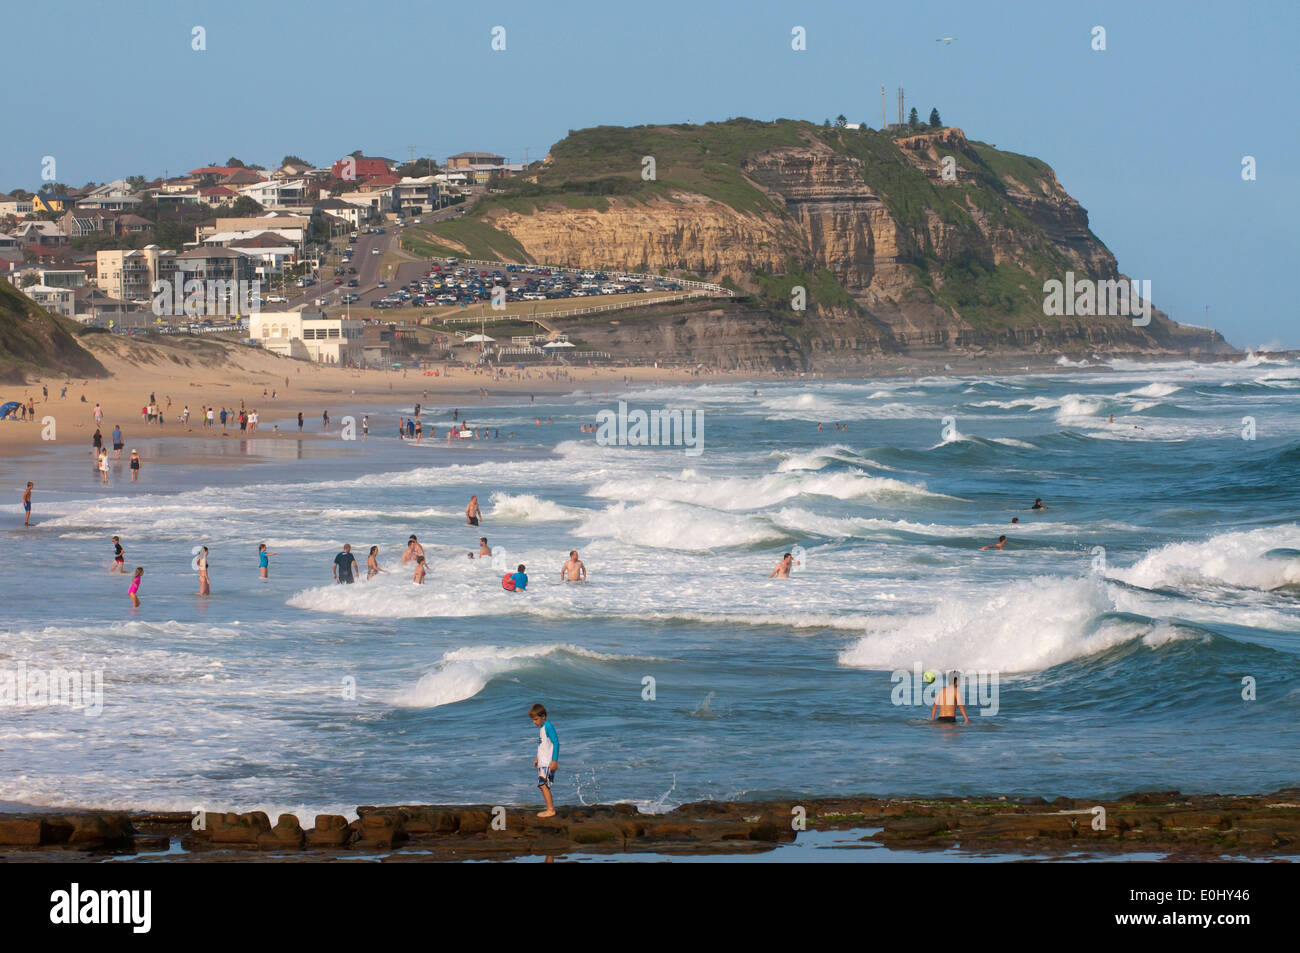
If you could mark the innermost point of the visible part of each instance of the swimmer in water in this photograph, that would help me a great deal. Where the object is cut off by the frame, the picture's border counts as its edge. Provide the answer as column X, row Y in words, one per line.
column 264, row 559
column 418, row 576
column 135, row 587
column 573, row 570
column 782, row 569
column 947, row 703
column 1000, row 544
column 472, row 513
column 1039, row 504
column 413, row 550
column 483, row 548
column 372, row 563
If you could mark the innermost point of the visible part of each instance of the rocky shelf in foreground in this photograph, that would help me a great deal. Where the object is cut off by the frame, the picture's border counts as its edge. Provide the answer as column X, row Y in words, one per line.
column 1191, row 827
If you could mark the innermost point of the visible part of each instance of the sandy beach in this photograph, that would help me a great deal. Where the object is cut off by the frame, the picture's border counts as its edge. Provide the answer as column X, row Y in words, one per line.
column 250, row 377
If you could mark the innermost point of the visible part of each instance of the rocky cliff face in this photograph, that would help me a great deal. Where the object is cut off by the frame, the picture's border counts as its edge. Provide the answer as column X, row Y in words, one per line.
column 926, row 238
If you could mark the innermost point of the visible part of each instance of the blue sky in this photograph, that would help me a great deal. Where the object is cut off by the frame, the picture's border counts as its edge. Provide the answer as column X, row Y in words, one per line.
column 1148, row 135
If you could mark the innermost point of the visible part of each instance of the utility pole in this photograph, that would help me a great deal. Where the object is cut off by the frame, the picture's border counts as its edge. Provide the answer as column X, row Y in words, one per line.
column 883, row 121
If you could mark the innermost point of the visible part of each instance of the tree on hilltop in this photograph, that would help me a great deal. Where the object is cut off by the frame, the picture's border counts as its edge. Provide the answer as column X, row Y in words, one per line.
column 913, row 119
column 935, row 121
column 841, row 120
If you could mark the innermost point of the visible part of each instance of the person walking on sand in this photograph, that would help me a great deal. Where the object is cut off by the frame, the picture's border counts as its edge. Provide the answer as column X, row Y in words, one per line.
column 27, row 504
column 548, row 756
column 103, row 465
column 134, row 590
column 201, row 564
column 372, row 563
column 300, row 421
column 472, row 513
column 345, row 565
column 947, row 703
column 117, row 441
column 573, row 570
column 264, row 559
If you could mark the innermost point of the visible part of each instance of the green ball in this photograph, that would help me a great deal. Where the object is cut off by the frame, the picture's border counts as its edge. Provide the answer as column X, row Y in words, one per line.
column 928, row 676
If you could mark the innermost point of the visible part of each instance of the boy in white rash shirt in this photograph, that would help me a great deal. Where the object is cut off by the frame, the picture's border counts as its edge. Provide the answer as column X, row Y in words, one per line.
column 548, row 756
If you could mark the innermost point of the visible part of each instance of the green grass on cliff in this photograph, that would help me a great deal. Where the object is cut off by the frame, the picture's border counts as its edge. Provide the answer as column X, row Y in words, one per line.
column 480, row 239
column 822, row 287
column 607, row 161
column 33, row 341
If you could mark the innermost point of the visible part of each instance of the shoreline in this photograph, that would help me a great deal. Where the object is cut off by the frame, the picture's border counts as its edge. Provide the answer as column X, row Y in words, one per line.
column 1185, row 827
column 316, row 387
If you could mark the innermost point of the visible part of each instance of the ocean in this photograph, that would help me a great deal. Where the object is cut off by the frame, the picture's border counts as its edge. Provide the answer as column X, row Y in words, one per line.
column 1139, row 633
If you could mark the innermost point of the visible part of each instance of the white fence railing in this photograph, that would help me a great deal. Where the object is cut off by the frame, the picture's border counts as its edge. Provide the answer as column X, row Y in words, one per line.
column 684, row 282
column 573, row 312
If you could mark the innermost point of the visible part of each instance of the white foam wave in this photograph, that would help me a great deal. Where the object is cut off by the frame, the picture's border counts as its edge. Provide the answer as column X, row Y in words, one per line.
column 1235, row 559
column 1042, row 622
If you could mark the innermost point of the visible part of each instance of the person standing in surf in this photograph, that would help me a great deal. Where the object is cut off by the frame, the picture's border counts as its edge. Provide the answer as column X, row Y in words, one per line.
column 472, row 513
column 134, row 589
column 345, row 565
column 201, row 564
column 947, row 703
column 27, row 504
column 264, row 560
column 372, row 563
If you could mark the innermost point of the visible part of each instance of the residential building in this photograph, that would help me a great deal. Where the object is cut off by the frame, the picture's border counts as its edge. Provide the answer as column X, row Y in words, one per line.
column 416, row 196
column 276, row 194
column 130, row 275
column 39, row 234
column 355, row 168
column 373, row 204
column 62, row 277
column 223, row 230
column 49, row 202
column 18, row 208
column 468, row 160
column 58, row 300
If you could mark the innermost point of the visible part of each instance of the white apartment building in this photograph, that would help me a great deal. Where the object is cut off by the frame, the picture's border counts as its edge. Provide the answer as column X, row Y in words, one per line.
column 308, row 335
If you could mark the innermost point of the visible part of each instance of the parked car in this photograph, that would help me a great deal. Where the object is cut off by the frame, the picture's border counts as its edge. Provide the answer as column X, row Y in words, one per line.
column 276, row 299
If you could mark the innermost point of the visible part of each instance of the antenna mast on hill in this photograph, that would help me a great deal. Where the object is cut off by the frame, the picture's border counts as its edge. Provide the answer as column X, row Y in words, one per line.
column 883, row 121
column 900, row 105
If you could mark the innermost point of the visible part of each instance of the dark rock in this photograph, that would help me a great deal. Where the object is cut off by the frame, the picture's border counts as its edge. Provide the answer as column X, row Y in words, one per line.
column 21, row 832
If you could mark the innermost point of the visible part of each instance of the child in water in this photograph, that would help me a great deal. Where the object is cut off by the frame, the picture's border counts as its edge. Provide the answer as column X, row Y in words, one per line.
column 135, row 587
column 263, row 559
column 418, row 577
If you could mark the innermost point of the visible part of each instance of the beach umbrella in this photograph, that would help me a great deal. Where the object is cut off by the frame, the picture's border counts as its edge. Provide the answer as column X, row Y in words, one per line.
column 8, row 408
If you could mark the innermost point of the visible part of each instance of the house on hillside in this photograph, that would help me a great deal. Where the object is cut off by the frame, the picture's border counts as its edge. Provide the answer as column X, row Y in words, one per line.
column 58, row 300
column 355, row 168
